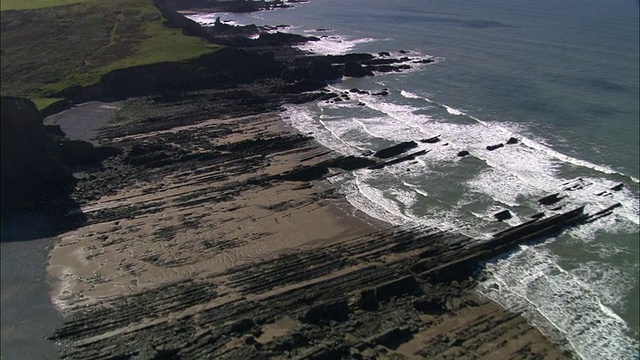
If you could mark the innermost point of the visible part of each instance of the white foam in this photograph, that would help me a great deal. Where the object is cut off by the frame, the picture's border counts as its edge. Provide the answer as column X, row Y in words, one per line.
column 544, row 148
column 531, row 282
column 209, row 19
column 516, row 175
column 302, row 119
column 373, row 202
column 332, row 45
column 409, row 95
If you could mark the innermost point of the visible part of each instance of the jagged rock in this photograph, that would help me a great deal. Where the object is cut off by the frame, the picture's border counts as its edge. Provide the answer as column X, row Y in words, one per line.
column 618, row 187
column 393, row 338
column 350, row 163
column 306, row 173
column 395, row 150
column 381, row 93
column 537, row 215
column 355, row 69
column 322, row 314
column 293, row 74
column 303, row 85
column 602, row 213
column 432, row 140
column 429, row 305
column 78, row 153
column 242, row 326
column 55, row 130
column 503, row 215
column 362, row 58
column 512, row 141
column 398, row 160
column 384, row 53
column 369, row 299
column 493, row 147
column 463, row 153
column 550, row 199
column 322, row 70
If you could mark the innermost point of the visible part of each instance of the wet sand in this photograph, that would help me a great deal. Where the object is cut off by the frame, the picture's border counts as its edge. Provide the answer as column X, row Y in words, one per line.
column 83, row 121
column 187, row 234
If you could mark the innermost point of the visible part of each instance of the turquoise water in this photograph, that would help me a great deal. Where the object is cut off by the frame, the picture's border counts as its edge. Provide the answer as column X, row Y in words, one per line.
column 560, row 76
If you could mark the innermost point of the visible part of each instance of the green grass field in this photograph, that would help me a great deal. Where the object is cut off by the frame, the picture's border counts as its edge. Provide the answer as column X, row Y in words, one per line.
column 47, row 50
column 33, row 4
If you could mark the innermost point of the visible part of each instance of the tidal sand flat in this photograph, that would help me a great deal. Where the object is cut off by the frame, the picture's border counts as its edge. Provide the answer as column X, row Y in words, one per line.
column 223, row 240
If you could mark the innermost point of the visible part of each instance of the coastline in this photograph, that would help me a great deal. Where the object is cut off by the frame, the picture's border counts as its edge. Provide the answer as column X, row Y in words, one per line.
column 189, row 246
column 181, row 219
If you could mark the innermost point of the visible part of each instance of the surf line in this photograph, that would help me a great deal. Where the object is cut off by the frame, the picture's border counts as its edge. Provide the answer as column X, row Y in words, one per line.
column 527, row 141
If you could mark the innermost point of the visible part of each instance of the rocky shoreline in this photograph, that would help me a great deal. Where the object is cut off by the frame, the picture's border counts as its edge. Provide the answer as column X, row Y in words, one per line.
column 207, row 230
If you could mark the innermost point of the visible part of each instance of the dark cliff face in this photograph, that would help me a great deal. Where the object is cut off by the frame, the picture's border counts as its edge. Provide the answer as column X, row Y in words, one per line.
column 33, row 178
column 226, row 67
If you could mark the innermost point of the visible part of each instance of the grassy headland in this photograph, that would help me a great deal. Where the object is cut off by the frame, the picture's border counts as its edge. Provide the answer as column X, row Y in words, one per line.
column 45, row 50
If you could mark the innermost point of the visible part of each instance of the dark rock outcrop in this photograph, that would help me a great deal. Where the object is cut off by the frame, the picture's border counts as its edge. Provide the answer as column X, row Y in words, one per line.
column 306, row 173
column 324, row 313
column 355, row 69
column 539, row 215
column 33, row 177
column 618, row 187
column 350, row 163
column 512, row 141
column 494, row 147
column 395, row 150
column 431, row 140
column 78, row 153
column 503, row 215
column 463, row 153
column 408, row 157
column 369, row 299
column 322, row 70
column 223, row 68
column 550, row 199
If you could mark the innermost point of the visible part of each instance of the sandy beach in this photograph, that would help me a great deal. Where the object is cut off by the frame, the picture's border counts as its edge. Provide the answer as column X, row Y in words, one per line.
column 245, row 259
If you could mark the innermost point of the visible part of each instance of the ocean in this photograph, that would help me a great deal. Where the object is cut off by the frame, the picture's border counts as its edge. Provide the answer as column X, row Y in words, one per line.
column 561, row 77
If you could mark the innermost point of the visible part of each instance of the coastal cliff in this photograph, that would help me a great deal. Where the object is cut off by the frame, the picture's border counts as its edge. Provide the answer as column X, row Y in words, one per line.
column 33, row 175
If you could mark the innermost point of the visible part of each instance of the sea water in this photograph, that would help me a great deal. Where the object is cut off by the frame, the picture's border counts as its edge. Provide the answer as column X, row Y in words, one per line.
column 560, row 76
